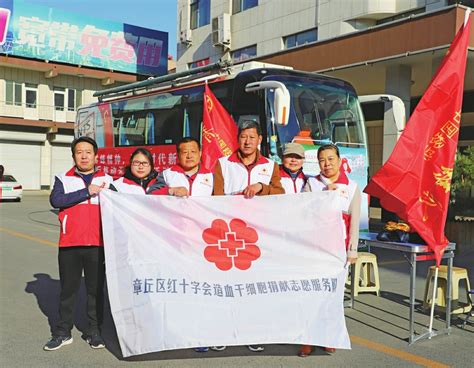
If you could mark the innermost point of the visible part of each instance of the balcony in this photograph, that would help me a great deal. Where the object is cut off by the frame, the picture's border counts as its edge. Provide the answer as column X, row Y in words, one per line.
column 372, row 9
column 36, row 115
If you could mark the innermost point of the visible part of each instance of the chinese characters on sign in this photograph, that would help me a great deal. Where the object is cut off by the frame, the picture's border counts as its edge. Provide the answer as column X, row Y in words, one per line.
column 209, row 134
column 50, row 34
column 443, row 177
column 150, row 285
column 447, row 131
column 89, row 42
column 113, row 161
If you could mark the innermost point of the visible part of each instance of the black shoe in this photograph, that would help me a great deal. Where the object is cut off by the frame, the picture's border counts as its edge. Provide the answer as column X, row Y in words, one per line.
column 57, row 342
column 202, row 349
column 95, row 341
column 256, row 348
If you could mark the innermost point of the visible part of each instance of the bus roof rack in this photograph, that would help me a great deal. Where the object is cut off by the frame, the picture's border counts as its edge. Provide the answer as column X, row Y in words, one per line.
column 220, row 65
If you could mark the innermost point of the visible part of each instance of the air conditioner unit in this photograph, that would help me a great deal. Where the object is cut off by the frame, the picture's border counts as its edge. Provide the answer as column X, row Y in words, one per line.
column 221, row 30
column 185, row 36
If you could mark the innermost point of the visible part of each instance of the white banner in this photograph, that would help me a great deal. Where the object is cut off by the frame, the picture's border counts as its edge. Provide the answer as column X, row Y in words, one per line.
column 210, row 271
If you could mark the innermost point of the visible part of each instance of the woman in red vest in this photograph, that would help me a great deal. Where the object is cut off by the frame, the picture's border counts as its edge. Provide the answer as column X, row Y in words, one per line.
column 332, row 177
column 139, row 175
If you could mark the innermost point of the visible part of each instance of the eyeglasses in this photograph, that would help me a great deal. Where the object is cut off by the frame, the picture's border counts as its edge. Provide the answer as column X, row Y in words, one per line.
column 140, row 163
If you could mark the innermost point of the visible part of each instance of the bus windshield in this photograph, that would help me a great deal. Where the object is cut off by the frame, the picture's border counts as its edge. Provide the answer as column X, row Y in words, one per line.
column 321, row 111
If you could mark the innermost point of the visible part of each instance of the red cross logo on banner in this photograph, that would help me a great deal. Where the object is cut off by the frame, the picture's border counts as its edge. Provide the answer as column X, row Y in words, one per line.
column 232, row 245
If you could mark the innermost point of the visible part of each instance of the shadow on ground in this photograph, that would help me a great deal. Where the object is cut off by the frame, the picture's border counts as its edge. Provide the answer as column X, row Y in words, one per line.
column 46, row 290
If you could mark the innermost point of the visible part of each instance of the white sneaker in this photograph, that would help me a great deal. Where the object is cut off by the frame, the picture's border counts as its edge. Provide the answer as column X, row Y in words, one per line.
column 256, row 348
column 218, row 348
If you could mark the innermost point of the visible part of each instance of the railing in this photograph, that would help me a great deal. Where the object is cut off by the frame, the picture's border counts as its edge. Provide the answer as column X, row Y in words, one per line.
column 25, row 110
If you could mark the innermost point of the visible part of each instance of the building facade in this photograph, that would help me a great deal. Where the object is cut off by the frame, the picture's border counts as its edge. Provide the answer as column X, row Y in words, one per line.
column 209, row 30
column 52, row 62
column 380, row 47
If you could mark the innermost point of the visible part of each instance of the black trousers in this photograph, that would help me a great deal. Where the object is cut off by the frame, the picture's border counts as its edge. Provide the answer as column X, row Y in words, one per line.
column 72, row 261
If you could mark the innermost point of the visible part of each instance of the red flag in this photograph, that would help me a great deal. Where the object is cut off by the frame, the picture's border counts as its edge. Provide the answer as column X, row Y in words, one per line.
column 219, row 132
column 415, row 181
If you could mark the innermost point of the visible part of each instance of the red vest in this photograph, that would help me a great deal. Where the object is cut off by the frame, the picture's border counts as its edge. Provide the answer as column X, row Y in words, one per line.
column 237, row 176
column 124, row 185
column 80, row 224
column 346, row 188
column 292, row 186
column 200, row 184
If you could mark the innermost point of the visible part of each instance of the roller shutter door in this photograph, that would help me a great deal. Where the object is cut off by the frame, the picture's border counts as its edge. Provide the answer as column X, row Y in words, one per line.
column 23, row 161
column 61, row 160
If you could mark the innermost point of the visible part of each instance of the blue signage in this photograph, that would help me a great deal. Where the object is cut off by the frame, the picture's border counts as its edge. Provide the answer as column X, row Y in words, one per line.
column 44, row 33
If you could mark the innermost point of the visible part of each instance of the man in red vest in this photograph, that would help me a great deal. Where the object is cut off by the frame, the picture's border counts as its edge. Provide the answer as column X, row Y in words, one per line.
column 246, row 172
column 188, row 177
column 75, row 193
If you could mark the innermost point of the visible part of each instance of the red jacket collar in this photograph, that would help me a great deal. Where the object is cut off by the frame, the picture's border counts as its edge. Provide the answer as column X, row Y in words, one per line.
column 235, row 157
column 284, row 174
column 342, row 179
column 130, row 182
column 178, row 168
column 72, row 172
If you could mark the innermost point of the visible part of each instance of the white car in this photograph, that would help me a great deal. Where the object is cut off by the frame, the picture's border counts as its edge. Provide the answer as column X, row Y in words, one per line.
column 10, row 188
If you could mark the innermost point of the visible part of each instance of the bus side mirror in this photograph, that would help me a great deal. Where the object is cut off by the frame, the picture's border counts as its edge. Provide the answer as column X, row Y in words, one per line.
column 281, row 98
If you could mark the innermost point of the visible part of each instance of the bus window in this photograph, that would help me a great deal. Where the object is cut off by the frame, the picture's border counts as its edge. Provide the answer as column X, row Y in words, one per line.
column 193, row 118
column 193, row 102
column 132, row 130
column 245, row 106
column 150, row 129
column 223, row 92
column 345, row 128
column 147, row 120
column 168, row 128
column 321, row 111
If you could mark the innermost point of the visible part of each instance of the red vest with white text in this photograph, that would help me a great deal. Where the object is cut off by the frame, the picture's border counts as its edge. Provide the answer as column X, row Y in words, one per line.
column 237, row 176
column 80, row 224
column 200, row 184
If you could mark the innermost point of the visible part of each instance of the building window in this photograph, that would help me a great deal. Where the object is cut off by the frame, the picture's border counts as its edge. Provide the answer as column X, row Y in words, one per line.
column 301, row 38
column 13, row 93
column 198, row 63
column 74, row 99
column 59, row 98
column 241, row 5
column 200, row 13
column 245, row 53
column 31, row 95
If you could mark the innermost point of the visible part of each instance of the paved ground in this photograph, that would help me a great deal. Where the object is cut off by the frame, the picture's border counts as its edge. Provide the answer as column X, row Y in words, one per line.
column 29, row 290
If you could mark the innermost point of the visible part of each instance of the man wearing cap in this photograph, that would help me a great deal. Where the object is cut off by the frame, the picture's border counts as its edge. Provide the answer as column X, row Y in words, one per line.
column 76, row 194
column 291, row 171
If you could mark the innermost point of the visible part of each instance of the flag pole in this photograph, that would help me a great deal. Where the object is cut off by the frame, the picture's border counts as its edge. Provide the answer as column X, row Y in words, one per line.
column 467, row 14
column 433, row 301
